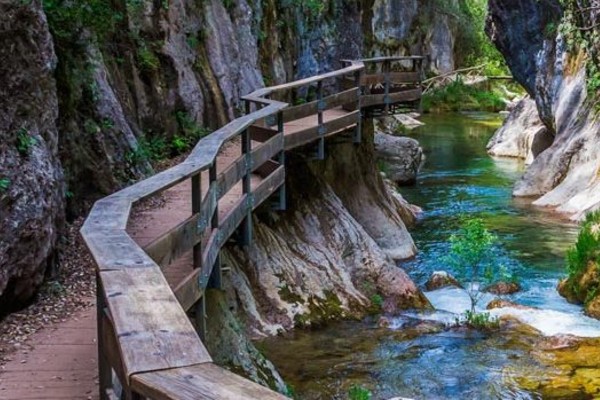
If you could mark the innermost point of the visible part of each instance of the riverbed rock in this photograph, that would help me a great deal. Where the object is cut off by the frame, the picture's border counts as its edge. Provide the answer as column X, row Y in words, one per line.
column 31, row 178
column 503, row 288
column 400, row 157
column 522, row 135
column 501, row 303
column 397, row 124
column 441, row 279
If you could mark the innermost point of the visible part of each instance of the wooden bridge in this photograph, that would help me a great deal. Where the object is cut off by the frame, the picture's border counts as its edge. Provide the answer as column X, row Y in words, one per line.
column 147, row 345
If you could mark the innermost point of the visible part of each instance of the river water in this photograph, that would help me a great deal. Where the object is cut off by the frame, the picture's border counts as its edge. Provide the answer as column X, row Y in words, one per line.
column 412, row 360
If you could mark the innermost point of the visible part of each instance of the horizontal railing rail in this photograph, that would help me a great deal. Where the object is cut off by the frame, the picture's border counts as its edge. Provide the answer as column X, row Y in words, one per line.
column 145, row 336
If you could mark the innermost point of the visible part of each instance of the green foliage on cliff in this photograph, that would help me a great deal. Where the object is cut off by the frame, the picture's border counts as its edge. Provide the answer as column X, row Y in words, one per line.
column 580, row 27
column 472, row 46
column 67, row 18
column 586, row 249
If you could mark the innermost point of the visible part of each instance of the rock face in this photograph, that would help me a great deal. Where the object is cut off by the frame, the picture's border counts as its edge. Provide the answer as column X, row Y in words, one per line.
column 400, row 157
column 564, row 176
column 134, row 78
column 320, row 260
column 523, row 135
column 393, row 28
column 441, row 279
column 31, row 178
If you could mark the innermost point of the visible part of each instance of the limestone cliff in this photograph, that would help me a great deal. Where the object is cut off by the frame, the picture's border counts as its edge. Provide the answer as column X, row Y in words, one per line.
column 31, row 177
column 552, row 68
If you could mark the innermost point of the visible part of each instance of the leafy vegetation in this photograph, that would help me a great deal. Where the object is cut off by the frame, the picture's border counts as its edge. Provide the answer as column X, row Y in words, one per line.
column 582, row 256
column 377, row 300
column 457, row 96
column 25, row 141
column 4, row 184
column 472, row 45
column 358, row 392
column 67, row 18
column 472, row 258
column 481, row 321
column 581, row 29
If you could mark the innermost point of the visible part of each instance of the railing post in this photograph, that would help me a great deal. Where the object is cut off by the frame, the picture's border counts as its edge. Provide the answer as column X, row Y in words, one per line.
column 196, row 202
column 282, row 206
column 214, row 281
column 421, row 71
column 104, row 370
column 246, row 231
column 197, row 254
column 321, row 127
column 386, row 85
column 358, row 130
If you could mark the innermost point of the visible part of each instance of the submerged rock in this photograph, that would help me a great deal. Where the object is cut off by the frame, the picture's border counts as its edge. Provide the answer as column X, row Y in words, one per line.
column 400, row 157
column 501, row 303
column 441, row 279
column 503, row 288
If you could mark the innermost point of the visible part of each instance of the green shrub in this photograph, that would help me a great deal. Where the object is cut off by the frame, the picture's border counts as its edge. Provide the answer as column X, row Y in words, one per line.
column 586, row 249
column 377, row 300
column 147, row 59
column 472, row 257
column 358, row 392
column 483, row 321
column 457, row 96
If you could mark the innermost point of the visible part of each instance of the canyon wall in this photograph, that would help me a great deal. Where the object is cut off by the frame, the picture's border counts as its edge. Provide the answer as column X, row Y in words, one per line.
column 548, row 59
column 98, row 91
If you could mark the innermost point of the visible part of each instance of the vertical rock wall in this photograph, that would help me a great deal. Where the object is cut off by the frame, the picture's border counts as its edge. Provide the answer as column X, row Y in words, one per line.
column 31, row 177
column 565, row 175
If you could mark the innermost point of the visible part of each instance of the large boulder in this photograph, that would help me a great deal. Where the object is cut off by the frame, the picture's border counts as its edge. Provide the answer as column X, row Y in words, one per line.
column 400, row 157
column 523, row 135
column 31, row 178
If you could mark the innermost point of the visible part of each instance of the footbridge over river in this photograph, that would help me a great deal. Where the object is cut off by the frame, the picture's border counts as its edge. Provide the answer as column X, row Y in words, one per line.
column 148, row 347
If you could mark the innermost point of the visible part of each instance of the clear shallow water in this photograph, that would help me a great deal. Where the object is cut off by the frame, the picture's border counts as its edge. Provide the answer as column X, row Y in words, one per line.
column 458, row 178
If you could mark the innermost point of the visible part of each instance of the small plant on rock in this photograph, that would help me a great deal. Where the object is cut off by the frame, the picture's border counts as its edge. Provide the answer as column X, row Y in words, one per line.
column 472, row 257
column 25, row 141
column 358, row 392
column 4, row 184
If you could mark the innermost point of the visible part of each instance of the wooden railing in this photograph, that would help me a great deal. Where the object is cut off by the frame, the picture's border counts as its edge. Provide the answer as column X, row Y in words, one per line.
column 147, row 345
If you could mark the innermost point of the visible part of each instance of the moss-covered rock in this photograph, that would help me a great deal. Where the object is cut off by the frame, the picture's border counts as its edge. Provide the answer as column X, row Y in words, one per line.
column 582, row 286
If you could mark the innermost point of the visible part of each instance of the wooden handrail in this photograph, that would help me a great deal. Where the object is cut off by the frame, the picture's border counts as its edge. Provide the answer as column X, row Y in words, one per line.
column 144, row 333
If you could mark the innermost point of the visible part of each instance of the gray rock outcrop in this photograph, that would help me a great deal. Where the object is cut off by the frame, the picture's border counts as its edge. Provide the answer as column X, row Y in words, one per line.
column 522, row 135
column 400, row 157
column 31, row 177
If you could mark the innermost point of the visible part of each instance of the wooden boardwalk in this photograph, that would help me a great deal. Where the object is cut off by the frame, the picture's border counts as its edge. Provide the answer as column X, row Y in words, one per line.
column 63, row 363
